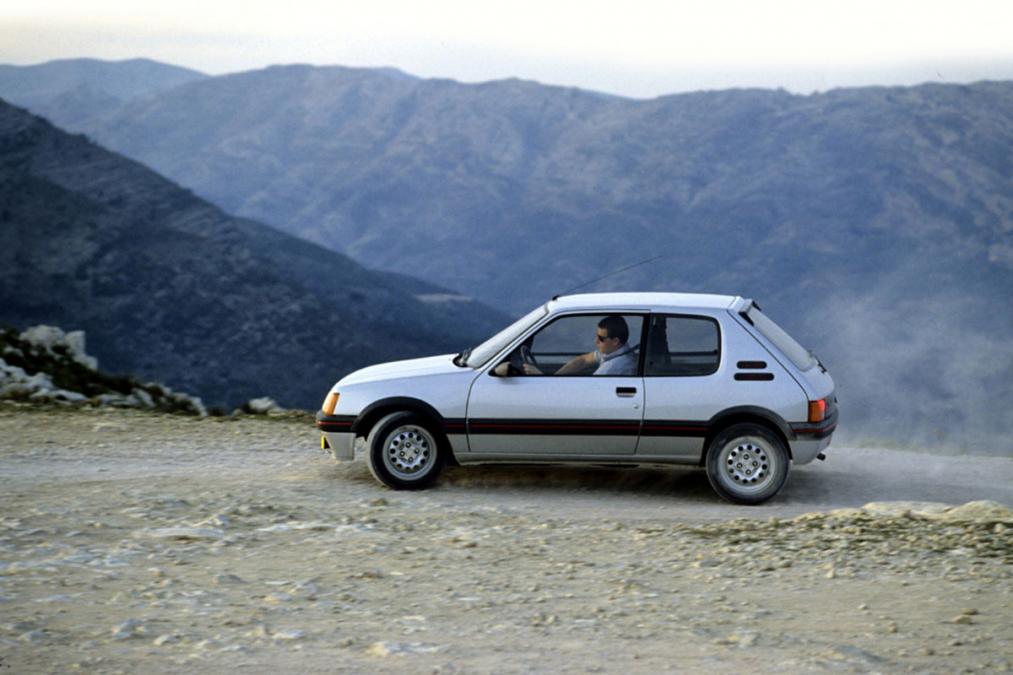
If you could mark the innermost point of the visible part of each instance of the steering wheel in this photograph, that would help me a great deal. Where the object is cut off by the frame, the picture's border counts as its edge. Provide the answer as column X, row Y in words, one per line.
column 527, row 356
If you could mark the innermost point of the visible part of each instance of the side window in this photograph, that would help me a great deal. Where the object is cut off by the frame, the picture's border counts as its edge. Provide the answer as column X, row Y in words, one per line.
column 682, row 346
column 567, row 345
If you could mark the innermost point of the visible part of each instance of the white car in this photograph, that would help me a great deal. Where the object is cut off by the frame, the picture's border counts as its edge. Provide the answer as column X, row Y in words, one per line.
column 627, row 378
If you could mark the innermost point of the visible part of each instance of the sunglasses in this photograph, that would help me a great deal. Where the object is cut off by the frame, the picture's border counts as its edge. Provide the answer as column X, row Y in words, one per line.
column 601, row 338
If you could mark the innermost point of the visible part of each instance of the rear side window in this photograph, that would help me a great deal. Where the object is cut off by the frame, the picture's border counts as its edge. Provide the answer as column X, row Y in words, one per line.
column 682, row 346
column 785, row 343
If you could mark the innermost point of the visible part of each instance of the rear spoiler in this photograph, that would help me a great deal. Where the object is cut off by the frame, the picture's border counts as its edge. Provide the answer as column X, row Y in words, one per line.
column 741, row 306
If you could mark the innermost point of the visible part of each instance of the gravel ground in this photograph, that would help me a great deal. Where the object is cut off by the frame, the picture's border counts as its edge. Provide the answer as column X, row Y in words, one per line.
column 138, row 542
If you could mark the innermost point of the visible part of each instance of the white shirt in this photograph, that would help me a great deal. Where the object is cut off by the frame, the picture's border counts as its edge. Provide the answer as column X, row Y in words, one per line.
column 620, row 362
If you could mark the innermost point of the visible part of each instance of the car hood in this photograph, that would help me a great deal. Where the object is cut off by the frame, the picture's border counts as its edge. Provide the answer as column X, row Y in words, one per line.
column 429, row 365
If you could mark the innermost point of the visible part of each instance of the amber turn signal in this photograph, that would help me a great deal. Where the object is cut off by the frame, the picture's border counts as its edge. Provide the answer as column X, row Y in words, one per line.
column 331, row 402
column 817, row 410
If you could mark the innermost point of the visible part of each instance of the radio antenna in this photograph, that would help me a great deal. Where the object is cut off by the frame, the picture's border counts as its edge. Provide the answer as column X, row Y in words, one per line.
column 606, row 276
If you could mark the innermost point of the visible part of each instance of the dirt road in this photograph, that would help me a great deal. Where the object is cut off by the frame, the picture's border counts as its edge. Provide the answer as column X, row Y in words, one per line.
column 140, row 542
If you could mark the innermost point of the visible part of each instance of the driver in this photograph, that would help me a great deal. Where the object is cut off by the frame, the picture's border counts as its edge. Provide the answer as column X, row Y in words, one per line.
column 613, row 355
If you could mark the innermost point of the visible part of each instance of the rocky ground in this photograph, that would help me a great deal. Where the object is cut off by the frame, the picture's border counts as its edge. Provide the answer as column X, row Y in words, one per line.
column 133, row 541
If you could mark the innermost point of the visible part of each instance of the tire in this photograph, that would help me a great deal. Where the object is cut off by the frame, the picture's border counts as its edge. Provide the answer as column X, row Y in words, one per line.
column 405, row 452
column 747, row 464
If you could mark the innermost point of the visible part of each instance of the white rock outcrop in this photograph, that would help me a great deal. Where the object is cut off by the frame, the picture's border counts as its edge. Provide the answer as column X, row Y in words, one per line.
column 48, row 337
column 50, row 349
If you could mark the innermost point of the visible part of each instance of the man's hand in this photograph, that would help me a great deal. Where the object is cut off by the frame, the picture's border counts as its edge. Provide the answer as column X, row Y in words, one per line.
column 532, row 370
column 577, row 364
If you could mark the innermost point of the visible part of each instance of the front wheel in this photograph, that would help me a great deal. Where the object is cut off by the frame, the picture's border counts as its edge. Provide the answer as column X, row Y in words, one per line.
column 404, row 452
column 747, row 464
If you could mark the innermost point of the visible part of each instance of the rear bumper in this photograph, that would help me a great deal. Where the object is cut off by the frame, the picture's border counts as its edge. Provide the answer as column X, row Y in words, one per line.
column 337, row 429
column 805, row 451
column 811, row 439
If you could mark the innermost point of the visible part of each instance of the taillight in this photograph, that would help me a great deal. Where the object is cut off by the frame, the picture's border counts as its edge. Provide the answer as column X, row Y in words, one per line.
column 331, row 402
column 817, row 410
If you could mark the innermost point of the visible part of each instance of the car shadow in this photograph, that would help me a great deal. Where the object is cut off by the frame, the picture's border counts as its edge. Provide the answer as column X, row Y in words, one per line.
column 686, row 482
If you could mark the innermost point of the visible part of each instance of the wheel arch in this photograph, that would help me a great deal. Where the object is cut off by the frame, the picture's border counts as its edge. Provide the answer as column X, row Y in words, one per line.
column 746, row 414
column 377, row 410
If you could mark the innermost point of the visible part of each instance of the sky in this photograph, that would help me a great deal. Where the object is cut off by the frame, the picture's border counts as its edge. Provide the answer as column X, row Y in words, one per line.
column 637, row 49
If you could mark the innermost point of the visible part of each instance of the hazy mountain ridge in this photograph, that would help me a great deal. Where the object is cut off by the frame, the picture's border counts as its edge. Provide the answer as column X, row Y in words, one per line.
column 68, row 91
column 874, row 223
column 379, row 167
column 169, row 287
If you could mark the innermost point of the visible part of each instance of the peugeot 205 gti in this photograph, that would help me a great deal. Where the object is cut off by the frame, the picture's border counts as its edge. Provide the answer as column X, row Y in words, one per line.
column 630, row 378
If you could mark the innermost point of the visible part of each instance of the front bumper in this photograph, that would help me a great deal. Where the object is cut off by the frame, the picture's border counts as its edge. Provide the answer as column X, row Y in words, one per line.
column 337, row 429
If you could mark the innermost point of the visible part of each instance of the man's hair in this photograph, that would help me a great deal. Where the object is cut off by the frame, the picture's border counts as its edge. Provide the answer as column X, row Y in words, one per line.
column 615, row 327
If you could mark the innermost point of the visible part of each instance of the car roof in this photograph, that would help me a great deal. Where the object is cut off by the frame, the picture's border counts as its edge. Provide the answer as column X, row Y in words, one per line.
column 652, row 301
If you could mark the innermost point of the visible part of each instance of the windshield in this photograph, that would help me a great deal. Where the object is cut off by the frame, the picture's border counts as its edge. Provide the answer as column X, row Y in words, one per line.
column 485, row 351
column 802, row 359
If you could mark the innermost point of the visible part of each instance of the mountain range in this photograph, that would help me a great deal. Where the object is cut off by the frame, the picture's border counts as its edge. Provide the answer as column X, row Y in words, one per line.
column 169, row 287
column 874, row 223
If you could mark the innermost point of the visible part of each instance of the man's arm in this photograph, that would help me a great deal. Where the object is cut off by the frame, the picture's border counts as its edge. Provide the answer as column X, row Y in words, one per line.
column 577, row 364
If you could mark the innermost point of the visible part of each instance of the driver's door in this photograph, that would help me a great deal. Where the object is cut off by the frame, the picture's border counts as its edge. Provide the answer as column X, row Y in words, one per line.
column 559, row 415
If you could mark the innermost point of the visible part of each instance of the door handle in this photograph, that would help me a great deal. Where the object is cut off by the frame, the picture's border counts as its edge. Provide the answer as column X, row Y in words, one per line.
column 626, row 391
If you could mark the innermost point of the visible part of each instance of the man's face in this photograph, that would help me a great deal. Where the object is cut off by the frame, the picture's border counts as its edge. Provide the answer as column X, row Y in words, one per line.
column 606, row 344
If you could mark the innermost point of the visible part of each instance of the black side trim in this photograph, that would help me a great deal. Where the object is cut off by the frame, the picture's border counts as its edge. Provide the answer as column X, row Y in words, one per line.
column 454, row 426
column 812, row 432
column 755, row 377
column 679, row 428
column 554, row 427
column 752, row 365
column 589, row 427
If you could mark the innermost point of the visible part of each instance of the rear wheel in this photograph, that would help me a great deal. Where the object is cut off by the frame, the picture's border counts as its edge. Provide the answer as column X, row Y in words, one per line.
column 747, row 464
column 404, row 451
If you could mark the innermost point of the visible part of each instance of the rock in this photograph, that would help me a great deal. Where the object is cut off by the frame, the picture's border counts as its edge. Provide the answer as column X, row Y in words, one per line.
column 143, row 398
column 383, row 649
column 218, row 520
column 48, row 337
column 182, row 533
column 963, row 619
column 165, row 640
column 969, row 611
column 260, row 631
column 285, row 527
column 261, row 406
column 979, row 511
column 130, row 628
column 908, row 509
column 289, row 634
column 33, row 636
column 224, row 579
column 53, row 395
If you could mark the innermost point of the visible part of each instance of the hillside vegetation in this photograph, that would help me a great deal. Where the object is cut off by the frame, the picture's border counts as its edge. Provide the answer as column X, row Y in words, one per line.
column 172, row 289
